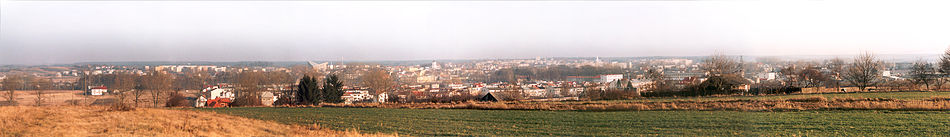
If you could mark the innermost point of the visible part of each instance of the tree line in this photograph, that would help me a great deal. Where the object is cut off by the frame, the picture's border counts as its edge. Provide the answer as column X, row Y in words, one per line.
column 864, row 71
column 25, row 82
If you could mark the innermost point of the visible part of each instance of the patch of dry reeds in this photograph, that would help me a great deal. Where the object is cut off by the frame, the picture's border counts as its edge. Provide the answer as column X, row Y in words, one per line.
column 96, row 121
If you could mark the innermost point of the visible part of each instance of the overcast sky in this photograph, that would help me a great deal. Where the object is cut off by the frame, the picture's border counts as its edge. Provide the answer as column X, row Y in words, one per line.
column 55, row 32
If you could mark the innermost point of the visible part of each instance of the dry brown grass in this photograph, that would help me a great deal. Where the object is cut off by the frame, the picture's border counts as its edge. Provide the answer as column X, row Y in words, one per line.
column 95, row 121
column 811, row 103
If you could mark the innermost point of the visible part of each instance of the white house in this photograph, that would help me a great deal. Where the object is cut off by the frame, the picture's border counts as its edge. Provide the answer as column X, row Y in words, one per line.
column 351, row 96
column 98, row 91
column 220, row 93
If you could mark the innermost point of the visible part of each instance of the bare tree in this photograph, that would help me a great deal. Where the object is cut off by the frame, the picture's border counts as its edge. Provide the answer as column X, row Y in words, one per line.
column 12, row 83
column 275, row 78
column 719, row 64
column 805, row 77
column 378, row 80
column 724, row 72
column 790, row 75
column 41, row 86
column 864, row 72
column 122, row 86
column 943, row 69
column 157, row 84
column 566, row 89
column 812, row 77
column 836, row 66
column 249, row 91
column 658, row 81
column 922, row 73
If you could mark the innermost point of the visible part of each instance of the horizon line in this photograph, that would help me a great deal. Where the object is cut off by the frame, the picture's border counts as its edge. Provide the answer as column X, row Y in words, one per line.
column 410, row 60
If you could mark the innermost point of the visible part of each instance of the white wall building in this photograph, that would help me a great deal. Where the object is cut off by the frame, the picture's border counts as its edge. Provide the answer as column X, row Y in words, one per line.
column 610, row 77
column 98, row 91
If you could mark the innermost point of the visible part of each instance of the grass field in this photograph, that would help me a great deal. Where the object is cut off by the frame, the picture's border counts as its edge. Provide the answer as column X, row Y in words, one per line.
column 464, row 122
column 891, row 95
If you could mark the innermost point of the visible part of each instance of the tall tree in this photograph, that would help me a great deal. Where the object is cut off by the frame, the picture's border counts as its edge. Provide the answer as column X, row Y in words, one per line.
column 378, row 80
column 157, row 84
column 943, row 69
column 308, row 91
column 658, row 81
column 922, row 73
column 719, row 64
column 836, row 66
column 249, row 91
column 864, row 72
column 790, row 75
column 10, row 84
column 195, row 80
column 723, row 74
column 42, row 84
column 333, row 89
column 123, row 84
column 812, row 77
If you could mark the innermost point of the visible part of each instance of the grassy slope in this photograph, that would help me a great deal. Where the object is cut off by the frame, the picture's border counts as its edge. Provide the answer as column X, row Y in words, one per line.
column 429, row 122
column 94, row 121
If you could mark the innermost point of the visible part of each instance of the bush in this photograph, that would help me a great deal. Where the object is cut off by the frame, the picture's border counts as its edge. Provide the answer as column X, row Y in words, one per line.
column 689, row 93
column 282, row 100
column 610, row 94
column 808, row 99
column 121, row 106
column 779, row 90
column 445, row 99
column 247, row 100
column 177, row 100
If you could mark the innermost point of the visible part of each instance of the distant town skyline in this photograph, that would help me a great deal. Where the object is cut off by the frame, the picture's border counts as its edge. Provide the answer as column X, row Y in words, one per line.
column 63, row 32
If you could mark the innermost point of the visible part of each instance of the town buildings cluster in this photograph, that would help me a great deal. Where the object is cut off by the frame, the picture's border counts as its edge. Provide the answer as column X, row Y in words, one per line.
column 442, row 79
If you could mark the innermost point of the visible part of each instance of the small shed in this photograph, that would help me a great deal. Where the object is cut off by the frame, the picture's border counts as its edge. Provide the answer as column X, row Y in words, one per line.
column 491, row 96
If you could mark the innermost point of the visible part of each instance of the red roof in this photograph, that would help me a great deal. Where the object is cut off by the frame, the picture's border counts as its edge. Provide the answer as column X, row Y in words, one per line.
column 100, row 87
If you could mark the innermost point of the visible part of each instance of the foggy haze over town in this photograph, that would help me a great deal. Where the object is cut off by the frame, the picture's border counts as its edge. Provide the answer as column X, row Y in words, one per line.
column 62, row 32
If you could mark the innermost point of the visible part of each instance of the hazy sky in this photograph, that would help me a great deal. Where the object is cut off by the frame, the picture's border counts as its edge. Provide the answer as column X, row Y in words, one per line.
column 52, row 32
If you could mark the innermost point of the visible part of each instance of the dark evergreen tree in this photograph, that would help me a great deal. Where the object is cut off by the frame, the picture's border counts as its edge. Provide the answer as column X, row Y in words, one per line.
column 308, row 92
column 332, row 89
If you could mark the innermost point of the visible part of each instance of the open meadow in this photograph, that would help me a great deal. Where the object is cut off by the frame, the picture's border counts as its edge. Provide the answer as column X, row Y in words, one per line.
column 870, row 114
column 838, row 101
column 467, row 122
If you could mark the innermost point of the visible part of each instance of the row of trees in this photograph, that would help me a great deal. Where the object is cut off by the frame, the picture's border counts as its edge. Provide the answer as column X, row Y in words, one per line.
column 25, row 82
column 927, row 74
column 126, row 86
column 865, row 71
column 724, row 75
